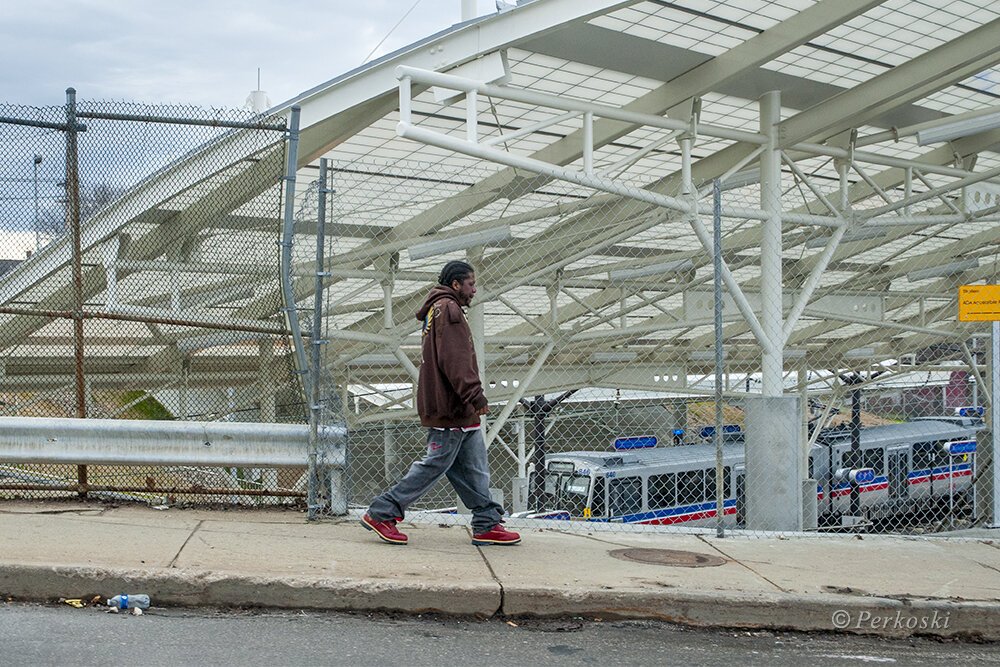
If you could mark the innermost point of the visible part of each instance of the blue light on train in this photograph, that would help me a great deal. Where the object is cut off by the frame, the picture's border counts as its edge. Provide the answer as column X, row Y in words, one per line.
column 972, row 411
column 635, row 442
column 709, row 431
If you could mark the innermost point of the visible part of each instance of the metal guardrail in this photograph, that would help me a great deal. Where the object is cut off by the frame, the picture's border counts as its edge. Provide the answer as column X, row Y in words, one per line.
column 133, row 442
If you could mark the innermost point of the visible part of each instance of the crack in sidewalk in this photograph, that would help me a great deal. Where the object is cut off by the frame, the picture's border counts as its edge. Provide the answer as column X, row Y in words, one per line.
column 702, row 539
column 83, row 511
column 499, row 611
column 173, row 563
column 989, row 567
column 591, row 537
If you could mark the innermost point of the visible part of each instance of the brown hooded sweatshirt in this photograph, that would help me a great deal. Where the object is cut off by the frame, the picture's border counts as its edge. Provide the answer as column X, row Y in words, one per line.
column 449, row 392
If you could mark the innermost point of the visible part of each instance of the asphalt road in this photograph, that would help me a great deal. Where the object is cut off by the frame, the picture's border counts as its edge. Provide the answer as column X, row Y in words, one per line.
column 61, row 635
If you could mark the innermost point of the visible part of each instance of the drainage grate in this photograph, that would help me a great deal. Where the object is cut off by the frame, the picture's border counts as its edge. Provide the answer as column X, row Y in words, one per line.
column 669, row 557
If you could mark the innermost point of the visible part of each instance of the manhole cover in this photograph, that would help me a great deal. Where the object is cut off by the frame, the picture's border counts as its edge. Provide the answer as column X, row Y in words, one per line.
column 668, row 557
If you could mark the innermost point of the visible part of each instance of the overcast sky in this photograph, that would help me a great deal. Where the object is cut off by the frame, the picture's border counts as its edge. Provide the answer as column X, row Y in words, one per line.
column 201, row 52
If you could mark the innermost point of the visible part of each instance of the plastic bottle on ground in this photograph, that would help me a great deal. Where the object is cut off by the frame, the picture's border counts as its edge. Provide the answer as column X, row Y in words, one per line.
column 137, row 601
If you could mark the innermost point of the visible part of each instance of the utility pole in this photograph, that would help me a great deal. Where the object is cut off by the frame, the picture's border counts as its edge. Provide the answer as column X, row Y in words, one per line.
column 539, row 409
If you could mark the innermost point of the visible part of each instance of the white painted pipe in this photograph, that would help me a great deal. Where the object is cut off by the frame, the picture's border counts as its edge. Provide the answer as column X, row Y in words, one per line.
column 464, row 84
column 566, row 174
column 770, row 248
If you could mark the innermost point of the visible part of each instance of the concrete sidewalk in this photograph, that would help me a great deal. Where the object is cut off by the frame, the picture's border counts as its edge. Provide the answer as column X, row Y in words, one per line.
column 893, row 586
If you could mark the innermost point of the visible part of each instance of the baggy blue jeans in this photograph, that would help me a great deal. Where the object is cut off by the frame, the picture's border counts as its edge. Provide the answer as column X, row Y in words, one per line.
column 461, row 455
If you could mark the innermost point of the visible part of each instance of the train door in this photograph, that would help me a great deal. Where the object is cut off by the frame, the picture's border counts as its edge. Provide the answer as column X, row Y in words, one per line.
column 898, row 471
column 740, row 489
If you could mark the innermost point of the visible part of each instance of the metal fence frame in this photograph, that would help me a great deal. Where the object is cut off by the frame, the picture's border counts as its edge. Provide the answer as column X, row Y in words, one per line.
column 193, row 443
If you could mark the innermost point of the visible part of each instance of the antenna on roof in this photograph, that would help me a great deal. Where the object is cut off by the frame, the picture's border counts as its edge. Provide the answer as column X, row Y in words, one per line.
column 258, row 101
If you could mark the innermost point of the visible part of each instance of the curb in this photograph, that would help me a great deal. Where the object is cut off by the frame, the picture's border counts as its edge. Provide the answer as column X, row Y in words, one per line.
column 222, row 589
column 886, row 617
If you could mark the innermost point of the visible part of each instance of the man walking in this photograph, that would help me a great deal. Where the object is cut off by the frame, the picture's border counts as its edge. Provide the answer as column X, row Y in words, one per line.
column 450, row 402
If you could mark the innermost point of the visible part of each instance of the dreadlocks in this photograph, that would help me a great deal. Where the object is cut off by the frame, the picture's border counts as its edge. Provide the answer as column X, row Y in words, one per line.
column 455, row 270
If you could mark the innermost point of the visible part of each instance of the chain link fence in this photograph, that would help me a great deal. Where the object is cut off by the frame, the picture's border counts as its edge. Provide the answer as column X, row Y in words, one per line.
column 140, row 258
column 597, row 333
column 622, row 357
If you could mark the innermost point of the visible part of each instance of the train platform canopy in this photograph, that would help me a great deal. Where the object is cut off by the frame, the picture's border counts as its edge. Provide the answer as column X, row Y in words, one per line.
column 569, row 148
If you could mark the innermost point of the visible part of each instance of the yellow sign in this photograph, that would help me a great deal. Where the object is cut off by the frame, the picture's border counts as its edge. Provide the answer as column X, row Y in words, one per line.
column 979, row 303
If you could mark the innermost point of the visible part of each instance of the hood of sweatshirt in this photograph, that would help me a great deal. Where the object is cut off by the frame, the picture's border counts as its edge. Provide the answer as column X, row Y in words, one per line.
column 436, row 294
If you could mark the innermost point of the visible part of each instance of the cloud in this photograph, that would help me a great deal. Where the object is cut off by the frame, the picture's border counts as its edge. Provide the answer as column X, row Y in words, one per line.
column 203, row 52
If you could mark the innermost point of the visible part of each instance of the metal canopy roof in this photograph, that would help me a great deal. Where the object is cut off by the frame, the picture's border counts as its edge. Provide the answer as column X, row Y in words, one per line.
column 578, row 269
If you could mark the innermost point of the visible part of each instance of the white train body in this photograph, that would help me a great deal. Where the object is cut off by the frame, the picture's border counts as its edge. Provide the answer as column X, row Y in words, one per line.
column 899, row 467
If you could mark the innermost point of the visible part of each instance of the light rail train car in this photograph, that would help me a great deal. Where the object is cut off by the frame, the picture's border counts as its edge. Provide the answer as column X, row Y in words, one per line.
column 911, row 465
column 897, row 468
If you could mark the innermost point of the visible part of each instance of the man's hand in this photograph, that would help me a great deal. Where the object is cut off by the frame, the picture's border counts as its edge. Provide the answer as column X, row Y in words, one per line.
column 483, row 410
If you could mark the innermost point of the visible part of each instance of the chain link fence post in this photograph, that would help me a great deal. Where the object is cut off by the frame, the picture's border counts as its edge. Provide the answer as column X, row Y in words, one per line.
column 157, row 231
column 720, row 485
column 315, row 384
column 73, row 223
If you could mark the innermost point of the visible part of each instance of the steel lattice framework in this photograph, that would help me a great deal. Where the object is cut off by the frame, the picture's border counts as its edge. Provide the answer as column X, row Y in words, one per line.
column 573, row 147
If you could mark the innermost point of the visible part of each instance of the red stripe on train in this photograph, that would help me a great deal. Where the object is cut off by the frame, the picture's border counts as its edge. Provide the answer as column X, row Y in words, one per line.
column 681, row 518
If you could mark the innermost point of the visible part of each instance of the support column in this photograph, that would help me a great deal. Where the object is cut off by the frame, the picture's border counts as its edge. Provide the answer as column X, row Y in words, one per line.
column 390, row 456
column 810, row 501
column 477, row 322
column 775, row 465
column 519, row 485
column 774, row 475
column 387, row 265
column 772, row 318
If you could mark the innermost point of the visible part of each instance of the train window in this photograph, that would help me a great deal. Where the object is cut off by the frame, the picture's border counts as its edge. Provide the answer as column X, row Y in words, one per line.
column 625, row 495
column 710, row 485
column 924, row 455
column 727, row 482
column 845, row 459
column 577, row 484
column 690, row 487
column 874, row 459
column 662, row 490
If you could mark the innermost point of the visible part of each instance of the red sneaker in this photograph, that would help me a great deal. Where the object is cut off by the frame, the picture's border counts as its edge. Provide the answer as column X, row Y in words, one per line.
column 495, row 535
column 386, row 530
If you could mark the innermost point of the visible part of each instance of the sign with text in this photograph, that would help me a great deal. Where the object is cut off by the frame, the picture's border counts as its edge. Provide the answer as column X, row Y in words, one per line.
column 979, row 303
